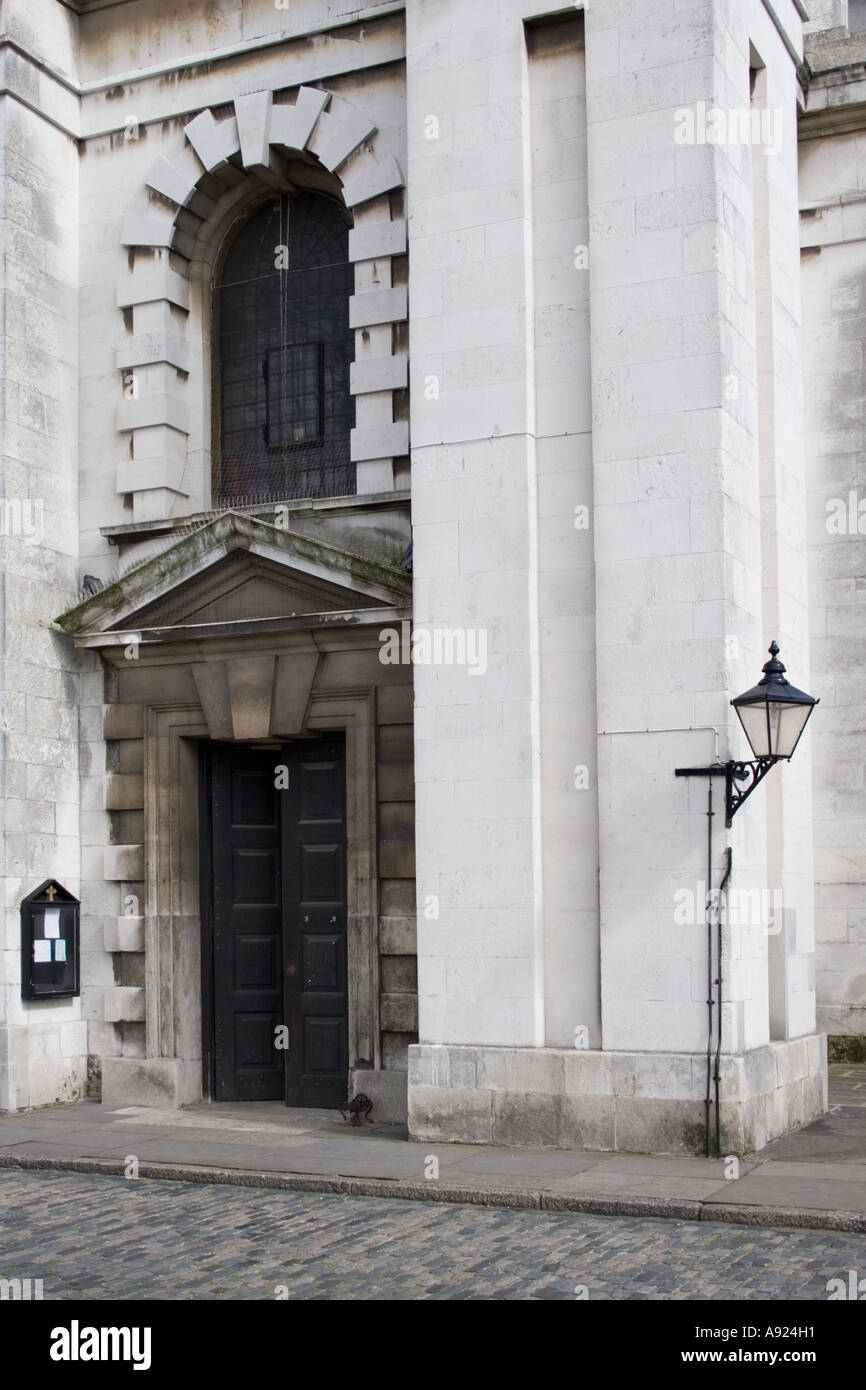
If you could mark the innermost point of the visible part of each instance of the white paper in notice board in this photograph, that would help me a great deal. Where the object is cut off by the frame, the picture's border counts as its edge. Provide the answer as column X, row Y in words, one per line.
column 52, row 922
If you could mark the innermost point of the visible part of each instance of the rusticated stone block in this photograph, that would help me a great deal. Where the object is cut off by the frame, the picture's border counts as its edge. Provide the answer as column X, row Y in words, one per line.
column 123, row 863
column 399, row 1013
column 123, row 721
column 460, row 1117
column 124, row 934
column 124, row 1004
column 124, row 791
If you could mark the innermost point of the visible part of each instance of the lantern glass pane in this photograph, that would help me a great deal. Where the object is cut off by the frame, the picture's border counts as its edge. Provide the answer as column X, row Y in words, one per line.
column 773, row 727
column 754, row 721
column 786, row 726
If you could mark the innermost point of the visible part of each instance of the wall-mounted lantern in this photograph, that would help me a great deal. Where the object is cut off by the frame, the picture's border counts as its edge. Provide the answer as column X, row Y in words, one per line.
column 773, row 714
column 50, row 943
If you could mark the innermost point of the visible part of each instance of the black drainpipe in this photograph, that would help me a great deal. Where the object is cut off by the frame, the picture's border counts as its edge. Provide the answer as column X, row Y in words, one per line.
column 722, row 887
column 709, row 920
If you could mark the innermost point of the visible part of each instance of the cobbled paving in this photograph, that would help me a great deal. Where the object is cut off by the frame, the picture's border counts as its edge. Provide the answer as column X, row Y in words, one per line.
column 104, row 1238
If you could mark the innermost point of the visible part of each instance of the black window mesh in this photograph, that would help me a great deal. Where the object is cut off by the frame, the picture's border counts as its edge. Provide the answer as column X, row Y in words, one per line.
column 285, row 346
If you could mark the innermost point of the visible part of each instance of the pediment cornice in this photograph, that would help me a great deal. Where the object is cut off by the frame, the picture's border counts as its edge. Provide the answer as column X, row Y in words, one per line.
column 236, row 566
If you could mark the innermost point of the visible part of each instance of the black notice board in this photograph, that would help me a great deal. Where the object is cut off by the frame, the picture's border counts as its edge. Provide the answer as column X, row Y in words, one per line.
column 50, row 943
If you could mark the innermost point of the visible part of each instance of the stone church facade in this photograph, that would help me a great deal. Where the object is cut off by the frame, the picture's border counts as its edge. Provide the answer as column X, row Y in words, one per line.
column 418, row 420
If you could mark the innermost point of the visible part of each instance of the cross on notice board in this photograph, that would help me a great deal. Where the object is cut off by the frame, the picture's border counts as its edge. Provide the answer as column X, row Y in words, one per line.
column 50, row 893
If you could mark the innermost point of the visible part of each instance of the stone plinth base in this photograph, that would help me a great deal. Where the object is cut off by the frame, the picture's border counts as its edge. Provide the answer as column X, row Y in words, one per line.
column 163, row 1082
column 387, row 1091
column 639, row 1102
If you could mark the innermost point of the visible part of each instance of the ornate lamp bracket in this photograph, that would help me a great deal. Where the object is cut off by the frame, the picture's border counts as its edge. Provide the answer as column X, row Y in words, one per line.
column 744, row 772
column 734, row 772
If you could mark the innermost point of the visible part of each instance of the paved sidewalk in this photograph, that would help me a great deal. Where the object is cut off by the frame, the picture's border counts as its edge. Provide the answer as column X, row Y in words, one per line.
column 815, row 1178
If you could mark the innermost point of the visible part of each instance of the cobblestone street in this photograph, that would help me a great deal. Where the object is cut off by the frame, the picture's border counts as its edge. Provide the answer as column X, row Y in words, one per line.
column 91, row 1237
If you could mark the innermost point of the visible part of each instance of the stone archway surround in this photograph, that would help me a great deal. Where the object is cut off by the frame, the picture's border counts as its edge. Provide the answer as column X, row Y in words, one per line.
column 170, row 1073
column 167, row 218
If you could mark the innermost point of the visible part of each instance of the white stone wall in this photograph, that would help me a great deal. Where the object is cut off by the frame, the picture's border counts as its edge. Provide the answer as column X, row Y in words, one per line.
column 697, row 524
column 43, row 1045
column 832, row 176
column 682, row 622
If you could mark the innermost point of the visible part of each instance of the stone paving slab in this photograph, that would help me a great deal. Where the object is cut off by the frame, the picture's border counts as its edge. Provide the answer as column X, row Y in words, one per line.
column 250, row 1157
column 539, row 1165
column 830, row 1170
column 11, row 1133
column 849, row 1084
column 73, row 1147
column 806, row 1190
column 673, row 1167
column 311, row 1159
column 838, row 1135
column 205, row 1140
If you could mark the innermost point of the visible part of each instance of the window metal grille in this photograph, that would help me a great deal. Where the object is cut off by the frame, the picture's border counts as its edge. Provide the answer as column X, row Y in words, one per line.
column 281, row 303
column 294, row 394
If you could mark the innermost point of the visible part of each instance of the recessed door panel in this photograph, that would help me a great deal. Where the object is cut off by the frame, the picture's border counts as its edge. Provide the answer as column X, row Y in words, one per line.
column 252, row 801
column 254, row 1042
column 323, row 958
column 255, row 879
column 324, row 1045
column 321, row 877
column 320, row 792
column 257, row 962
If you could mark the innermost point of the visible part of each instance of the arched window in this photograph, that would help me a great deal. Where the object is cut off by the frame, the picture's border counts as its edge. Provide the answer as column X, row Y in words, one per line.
column 283, row 411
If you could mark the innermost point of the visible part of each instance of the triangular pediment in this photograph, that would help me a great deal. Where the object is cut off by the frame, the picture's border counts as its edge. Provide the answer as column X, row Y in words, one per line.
column 246, row 586
column 237, row 568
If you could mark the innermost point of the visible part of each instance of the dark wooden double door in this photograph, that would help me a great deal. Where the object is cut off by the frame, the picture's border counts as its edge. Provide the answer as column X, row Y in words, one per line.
column 275, row 960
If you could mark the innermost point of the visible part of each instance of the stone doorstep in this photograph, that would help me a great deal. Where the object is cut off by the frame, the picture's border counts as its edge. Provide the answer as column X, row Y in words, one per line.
column 683, row 1209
